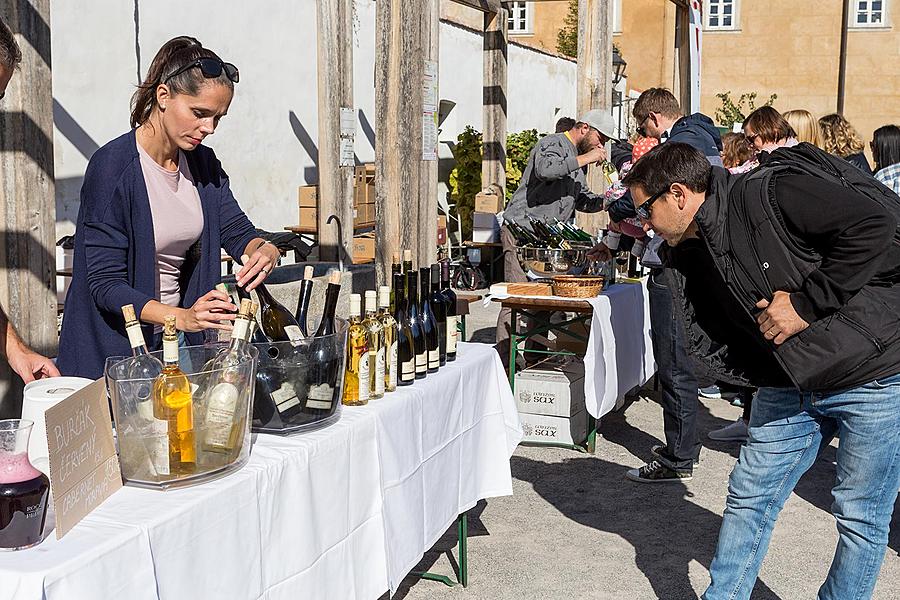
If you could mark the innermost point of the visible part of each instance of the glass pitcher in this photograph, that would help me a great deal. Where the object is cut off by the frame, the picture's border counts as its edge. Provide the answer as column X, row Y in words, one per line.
column 23, row 489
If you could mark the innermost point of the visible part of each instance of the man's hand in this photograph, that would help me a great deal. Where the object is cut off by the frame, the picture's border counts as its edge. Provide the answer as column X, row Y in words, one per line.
column 779, row 321
column 599, row 253
column 597, row 155
column 30, row 365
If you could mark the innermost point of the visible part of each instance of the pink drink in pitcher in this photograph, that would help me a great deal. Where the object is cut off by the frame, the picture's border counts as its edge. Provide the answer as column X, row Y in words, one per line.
column 23, row 489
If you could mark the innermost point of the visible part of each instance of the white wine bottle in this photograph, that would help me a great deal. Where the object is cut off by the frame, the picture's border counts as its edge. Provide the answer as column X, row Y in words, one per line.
column 141, row 369
column 391, row 368
column 173, row 401
column 356, row 374
column 376, row 347
column 229, row 381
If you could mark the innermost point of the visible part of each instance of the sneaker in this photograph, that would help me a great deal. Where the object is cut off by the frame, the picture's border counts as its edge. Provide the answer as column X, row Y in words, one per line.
column 656, row 450
column 736, row 432
column 656, row 472
column 711, row 391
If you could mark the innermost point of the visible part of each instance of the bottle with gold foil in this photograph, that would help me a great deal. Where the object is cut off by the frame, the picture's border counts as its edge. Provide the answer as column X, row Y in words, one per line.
column 391, row 372
column 225, row 418
column 356, row 374
column 376, row 347
column 172, row 401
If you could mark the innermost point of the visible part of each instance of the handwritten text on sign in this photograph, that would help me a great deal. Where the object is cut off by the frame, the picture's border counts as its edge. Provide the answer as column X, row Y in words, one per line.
column 84, row 469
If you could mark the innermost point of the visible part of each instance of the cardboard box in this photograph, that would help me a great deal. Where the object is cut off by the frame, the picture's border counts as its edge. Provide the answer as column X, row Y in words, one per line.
column 553, row 388
column 365, row 214
column 308, row 217
column 557, row 430
column 570, row 344
column 309, row 196
column 441, row 230
column 364, row 193
column 485, row 228
column 363, row 248
column 364, row 173
column 488, row 203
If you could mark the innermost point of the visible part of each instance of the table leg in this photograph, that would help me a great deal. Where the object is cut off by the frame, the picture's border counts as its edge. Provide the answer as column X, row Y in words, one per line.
column 513, row 347
column 464, row 550
column 461, row 327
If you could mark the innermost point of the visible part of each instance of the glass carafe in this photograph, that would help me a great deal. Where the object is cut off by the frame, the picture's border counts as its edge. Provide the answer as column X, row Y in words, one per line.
column 24, row 490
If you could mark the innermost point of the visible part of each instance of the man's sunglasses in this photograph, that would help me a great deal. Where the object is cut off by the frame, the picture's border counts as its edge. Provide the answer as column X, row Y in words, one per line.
column 211, row 68
column 643, row 211
column 641, row 130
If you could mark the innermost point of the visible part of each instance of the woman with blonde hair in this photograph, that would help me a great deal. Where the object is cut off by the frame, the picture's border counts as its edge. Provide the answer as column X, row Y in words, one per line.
column 840, row 138
column 805, row 126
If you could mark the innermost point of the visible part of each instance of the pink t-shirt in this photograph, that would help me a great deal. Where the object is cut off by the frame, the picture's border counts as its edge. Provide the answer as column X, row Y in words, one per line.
column 177, row 220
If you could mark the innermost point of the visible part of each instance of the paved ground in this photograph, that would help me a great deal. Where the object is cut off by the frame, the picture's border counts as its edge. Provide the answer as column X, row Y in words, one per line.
column 574, row 528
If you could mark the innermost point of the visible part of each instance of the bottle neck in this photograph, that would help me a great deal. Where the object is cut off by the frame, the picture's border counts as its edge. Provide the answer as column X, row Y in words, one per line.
column 239, row 332
column 136, row 338
column 331, row 298
column 264, row 295
column 445, row 275
column 170, row 350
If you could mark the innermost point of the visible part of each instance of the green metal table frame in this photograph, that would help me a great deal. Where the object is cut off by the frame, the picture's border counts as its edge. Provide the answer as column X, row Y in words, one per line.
column 542, row 325
column 462, row 573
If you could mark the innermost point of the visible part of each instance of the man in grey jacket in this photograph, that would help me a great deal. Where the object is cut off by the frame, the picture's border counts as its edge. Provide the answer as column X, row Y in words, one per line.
column 553, row 186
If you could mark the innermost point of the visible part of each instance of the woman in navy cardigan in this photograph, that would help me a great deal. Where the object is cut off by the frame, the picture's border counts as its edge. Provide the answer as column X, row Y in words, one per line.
column 187, row 90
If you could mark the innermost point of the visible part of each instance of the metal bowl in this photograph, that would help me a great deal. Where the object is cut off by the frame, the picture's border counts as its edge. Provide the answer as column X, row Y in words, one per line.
column 546, row 262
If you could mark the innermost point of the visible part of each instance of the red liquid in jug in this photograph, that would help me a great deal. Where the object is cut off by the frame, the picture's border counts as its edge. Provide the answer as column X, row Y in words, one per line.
column 23, row 502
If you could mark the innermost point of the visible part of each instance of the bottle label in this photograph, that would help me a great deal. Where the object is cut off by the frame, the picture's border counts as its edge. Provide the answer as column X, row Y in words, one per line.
column 379, row 372
column 170, row 351
column 221, row 402
column 434, row 359
column 156, row 440
column 408, row 371
column 135, row 336
column 294, row 334
column 452, row 335
column 285, row 398
column 320, row 396
column 240, row 329
column 364, row 376
column 392, row 366
column 421, row 363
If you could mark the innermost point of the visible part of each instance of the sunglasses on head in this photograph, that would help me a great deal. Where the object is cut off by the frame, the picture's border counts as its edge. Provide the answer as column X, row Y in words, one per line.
column 211, row 68
column 643, row 211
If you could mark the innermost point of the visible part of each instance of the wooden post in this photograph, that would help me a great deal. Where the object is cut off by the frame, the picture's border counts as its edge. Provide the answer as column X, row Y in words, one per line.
column 399, row 69
column 428, row 173
column 594, row 80
column 496, row 48
column 682, row 88
column 27, row 188
column 334, row 19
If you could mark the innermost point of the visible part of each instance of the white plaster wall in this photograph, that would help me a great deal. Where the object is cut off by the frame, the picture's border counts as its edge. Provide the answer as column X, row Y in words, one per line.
column 274, row 108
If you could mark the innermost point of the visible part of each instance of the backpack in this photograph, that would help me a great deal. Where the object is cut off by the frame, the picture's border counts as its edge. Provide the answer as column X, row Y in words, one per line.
column 806, row 159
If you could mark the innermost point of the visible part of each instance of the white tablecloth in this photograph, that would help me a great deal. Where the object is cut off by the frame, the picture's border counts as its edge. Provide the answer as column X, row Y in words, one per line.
column 343, row 512
column 619, row 355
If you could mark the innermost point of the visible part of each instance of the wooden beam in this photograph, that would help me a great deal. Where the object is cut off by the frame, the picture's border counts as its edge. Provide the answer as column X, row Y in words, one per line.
column 399, row 70
column 334, row 21
column 682, row 88
column 594, row 81
column 27, row 193
column 487, row 6
column 496, row 49
column 428, row 169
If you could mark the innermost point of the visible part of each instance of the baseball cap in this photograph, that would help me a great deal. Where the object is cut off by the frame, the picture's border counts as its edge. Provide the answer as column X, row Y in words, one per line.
column 601, row 121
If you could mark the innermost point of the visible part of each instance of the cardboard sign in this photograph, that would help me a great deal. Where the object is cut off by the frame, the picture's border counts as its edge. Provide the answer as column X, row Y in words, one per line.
column 84, row 468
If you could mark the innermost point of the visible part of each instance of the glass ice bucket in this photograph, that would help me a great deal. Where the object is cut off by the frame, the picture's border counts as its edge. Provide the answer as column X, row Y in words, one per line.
column 162, row 444
column 299, row 384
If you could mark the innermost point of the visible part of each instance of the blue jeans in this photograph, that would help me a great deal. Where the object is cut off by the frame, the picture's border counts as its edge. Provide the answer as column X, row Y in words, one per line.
column 787, row 430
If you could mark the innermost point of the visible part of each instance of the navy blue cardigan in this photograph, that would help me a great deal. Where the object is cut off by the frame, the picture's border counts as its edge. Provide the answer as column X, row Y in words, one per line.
column 115, row 252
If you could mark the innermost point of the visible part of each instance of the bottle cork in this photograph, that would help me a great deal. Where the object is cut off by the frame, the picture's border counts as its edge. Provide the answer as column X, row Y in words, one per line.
column 334, row 278
column 308, row 272
column 128, row 313
column 169, row 328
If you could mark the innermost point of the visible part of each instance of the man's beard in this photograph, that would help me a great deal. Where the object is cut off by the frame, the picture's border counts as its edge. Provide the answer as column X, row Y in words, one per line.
column 584, row 146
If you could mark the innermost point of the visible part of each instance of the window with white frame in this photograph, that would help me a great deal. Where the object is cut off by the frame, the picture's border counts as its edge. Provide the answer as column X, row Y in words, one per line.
column 721, row 14
column 868, row 13
column 521, row 19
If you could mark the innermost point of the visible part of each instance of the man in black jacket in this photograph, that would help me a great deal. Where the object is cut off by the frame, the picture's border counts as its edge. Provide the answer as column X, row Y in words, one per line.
column 788, row 281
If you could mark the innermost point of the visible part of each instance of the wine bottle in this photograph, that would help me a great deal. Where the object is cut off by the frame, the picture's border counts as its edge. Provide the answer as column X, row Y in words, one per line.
column 324, row 363
column 142, row 369
column 415, row 324
column 256, row 334
column 439, row 308
column 356, row 374
column 452, row 318
column 407, row 268
column 396, row 268
column 173, row 402
column 306, row 288
column 406, row 352
column 228, row 374
column 376, row 347
column 426, row 317
column 386, row 318
column 277, row 322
